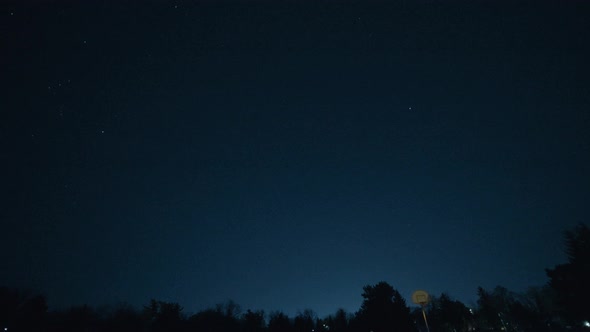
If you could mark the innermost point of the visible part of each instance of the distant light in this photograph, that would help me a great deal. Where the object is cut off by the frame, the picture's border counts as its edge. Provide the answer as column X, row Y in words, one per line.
column 587, row 323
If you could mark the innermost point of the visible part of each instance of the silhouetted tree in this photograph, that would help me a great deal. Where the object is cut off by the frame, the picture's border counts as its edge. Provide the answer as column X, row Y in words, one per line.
column 305, row 321
column 541, row 305
column 77, row 319
column 253, row 321
column 384, row 310
column 229, row 309
column 571, row 281
column 493, row 308
column 21, row 310
column 9, row 303
column 338, row 322
column 224, row 318
column 447, row 315
column 209, row 320
column 124, row 319
column 502, row 309
column 279, row 322
column 164, row 316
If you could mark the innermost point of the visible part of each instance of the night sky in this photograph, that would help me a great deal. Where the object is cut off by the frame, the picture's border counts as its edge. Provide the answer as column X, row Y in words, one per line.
column 285, row 154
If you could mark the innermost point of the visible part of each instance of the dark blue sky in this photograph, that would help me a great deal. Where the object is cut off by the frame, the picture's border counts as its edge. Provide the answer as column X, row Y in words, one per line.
column 286, row 155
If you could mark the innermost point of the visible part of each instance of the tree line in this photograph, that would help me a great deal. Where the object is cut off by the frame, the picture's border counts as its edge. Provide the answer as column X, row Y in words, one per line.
column 559, row 306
